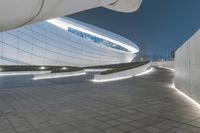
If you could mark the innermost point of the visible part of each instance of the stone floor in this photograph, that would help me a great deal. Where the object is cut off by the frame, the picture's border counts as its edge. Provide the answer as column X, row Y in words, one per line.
column 144, row 104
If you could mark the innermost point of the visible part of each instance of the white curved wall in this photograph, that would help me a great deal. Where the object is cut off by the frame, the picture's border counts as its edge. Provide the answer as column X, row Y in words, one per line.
column 187, row 67
column 47, row 44
column 16, row 13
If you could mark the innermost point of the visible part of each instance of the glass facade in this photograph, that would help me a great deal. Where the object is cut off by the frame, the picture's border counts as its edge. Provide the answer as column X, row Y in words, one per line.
column 97, row 39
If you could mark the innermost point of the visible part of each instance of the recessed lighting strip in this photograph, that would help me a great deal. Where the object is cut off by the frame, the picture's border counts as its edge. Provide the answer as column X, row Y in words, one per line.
column 184, row 95
column 23, row 73
column 112, row 79
column 57, row 75
column 167, row 68
column 145, row 72
column 64, row 25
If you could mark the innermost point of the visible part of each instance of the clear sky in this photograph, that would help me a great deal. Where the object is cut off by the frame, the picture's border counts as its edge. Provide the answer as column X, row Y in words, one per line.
column 158, row 26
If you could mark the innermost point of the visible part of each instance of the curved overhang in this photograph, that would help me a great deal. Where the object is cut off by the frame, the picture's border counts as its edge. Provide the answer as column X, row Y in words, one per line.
column 17, row 13
column 124, row 5
column 66, row 23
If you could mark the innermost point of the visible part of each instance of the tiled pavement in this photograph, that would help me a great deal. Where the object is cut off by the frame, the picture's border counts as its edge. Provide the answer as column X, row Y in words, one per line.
column 145, row 104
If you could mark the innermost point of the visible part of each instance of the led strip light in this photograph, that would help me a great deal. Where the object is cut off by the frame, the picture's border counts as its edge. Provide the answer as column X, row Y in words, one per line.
column 64, row 25
column 112, row 79
column 145, row 72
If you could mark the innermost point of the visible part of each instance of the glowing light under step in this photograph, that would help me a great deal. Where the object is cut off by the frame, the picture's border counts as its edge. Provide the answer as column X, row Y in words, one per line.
column 96, row 70
column 23, row 73
column 184, row 95
column 146, row 72
column 52, row 76
column 167, row 68
column 112, row 79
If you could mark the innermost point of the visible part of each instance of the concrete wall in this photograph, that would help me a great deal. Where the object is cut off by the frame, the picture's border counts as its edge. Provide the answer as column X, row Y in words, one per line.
column 187, row 66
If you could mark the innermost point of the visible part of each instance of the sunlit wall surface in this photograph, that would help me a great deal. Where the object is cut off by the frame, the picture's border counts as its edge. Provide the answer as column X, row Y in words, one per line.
column 47, row 44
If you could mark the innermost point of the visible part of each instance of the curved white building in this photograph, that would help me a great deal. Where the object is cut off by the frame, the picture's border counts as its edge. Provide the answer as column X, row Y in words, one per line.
column 64, row 41
column 16, row 13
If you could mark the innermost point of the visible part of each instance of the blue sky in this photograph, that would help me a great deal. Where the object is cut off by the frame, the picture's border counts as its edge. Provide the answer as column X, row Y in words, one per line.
column 158, row 26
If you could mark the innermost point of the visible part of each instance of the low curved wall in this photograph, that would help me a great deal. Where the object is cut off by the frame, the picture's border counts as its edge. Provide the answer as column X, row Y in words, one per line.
column 122, row 74
column 23, row 73
column 58, row 75
column 169, row 64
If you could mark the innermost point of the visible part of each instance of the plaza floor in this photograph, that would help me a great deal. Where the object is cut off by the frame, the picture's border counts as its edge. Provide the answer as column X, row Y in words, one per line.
column 143, row 104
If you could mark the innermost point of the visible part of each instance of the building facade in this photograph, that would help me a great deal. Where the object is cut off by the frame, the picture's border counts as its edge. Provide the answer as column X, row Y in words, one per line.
column 64, row 41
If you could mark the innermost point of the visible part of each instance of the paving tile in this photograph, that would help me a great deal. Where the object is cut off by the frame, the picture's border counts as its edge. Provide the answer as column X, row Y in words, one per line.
column 23, row 128
column 113, row 122
column 138, row 131
column 113, row 130
column 126, row 127
column 48, row 130
column 152, row 129
column 142, row 104
column 189, row 128
column 8, row 131
column 4, row 124
column 178, row 130
column 195, row 123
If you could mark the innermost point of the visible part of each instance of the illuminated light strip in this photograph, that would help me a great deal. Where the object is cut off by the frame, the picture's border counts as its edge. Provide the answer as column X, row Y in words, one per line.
column 64, row 25
column 23, row 73
column 167, row 68
column 184, row 95
column 112, row 79
column 64, row 68
column 145, row 72
column 52, row 76
column 96, row 70
column 42, row 68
